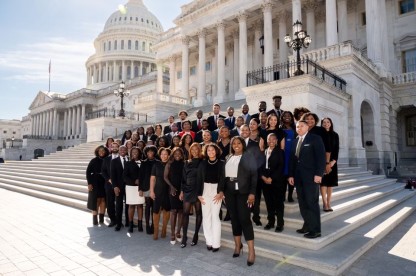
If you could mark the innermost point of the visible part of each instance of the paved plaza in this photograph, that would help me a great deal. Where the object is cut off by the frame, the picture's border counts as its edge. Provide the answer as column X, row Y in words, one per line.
column 38, row 237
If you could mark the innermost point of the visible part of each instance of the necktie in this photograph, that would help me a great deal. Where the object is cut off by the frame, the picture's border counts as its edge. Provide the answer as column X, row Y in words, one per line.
column 199, row 124
column 122, row 161
column 298, row 147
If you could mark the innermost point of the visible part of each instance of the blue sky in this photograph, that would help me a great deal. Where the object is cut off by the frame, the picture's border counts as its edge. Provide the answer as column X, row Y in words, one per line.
column 36, row 31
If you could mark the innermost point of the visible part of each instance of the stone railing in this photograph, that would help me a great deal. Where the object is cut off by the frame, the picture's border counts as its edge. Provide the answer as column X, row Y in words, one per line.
column 404, row 78
column 162, row 97
column 336, row 51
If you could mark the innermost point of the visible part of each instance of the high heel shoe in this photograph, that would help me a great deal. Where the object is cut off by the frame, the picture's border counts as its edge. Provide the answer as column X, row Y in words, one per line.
column 251, row 262
column 235, row 255
column 194, row 241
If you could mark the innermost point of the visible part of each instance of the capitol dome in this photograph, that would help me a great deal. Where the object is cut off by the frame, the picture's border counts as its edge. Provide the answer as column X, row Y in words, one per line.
column 123, row 50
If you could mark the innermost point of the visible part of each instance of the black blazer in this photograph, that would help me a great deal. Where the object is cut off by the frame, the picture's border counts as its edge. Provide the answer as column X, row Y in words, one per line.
column 166, row 129
column 276, row 164
column 234, row 132
column 105, row 168
column 311, row 161
column 194, row 125
column 273, row 111
column 198, row 136
column 254, row 149
column 211, row 121
column 230, row 122
column 131, row 173
column 246, row 175
column 202, row 168
column 117, row 173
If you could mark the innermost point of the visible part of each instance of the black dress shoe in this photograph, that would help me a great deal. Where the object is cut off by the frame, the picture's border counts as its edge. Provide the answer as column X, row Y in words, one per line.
column 215, row 249
column 279, row 229
column 312, row 235
column 209, row 248
column 118, row 228
column 269, row 226
column 112, row 223
column 302, row 231
column 131, row 228
column 257, row 222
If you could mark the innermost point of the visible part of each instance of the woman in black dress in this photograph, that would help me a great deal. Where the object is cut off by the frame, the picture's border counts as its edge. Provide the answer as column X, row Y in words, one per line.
column 273, row 126
column 131, row 175
column 173, row 178
column 189, row 193
column 96, row 185
column 159, row 192
column 185, row 144
column 331, row 179
column 144, row 184
column 224, row 141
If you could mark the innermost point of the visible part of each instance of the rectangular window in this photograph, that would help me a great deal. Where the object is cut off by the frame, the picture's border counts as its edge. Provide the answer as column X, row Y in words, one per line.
column 409, row 61
column 411, row 131
column 208, row 66
column 363, row 19
column 109, row 45
column 115, row 45
column 122, row 45
column 192, row 71
column 406, row 6
column 129, row 45
column 179, row 75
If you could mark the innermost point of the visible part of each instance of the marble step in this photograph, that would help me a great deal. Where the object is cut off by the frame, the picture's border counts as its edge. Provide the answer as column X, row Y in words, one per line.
column 45, row 170
column 43, row 179
column 64, row 200
column 50, row 164
column 58, row 189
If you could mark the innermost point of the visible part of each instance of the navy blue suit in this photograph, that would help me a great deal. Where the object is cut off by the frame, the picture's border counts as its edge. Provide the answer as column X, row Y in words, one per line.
column 311, row 163
column 230, row 122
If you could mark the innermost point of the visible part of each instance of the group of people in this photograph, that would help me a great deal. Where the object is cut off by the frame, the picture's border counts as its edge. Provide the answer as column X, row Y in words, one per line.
column 201, row 165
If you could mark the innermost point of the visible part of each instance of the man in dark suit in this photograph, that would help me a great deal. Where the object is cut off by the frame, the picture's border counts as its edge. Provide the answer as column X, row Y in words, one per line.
column 198, row 135
column 236, row 130
column 230, row 120
column 117, row 168
column 262, row 107
column 277, row 102
column 244, row 112
column 174, row 131
column 212, row 120
column 109, row 191
column 182, row 116
column 254, row 149
column 167, row 129
column 197, row 124
column 306, row 168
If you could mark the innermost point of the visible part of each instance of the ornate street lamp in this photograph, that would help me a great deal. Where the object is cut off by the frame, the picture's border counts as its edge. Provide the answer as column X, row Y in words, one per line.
column 122, row 92
column 261, row 40
column 300, row 40
column 12, row 140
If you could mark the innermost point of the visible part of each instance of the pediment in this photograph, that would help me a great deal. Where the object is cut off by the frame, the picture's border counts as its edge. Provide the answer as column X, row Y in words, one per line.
column 40, row 99
column 405, row 42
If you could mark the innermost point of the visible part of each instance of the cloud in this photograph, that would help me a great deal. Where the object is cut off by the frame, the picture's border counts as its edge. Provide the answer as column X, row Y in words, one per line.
column 29, row 62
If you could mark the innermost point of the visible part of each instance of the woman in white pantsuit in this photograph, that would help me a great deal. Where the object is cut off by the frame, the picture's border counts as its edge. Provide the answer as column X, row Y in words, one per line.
column 211, row 177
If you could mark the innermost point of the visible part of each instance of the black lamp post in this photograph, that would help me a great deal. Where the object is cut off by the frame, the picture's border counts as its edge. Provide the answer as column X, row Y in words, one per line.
column 261, row 40
column 300, row 40
column 122, row 92
column 12, row 140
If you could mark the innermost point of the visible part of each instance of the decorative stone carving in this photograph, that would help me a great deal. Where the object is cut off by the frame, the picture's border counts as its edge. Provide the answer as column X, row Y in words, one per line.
column 242, row 16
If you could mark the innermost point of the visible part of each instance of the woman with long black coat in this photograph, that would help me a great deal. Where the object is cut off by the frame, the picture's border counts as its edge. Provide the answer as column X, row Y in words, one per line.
column 96, row 185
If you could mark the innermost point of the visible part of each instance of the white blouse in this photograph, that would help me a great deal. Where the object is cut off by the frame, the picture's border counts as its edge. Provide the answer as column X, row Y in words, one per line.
column 231, row 167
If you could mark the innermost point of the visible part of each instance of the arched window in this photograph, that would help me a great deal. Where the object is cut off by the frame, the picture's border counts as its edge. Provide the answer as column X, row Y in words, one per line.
column 129, row 44
column 136, row 45
column 122, row 45
column 144, row 46
column 115, row 44
column 109, row 45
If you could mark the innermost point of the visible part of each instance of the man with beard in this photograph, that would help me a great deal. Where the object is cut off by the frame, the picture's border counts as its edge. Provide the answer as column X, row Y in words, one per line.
column 277, row 102
column 197, row 124
column 262, row 107
column 244, row 113
column 109, row 191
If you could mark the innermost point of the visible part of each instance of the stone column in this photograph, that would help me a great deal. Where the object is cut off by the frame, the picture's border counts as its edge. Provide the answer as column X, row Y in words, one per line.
column 268, row 34
column 342, row 21
column 54, row 122
column 115, row 76
column 257, row 55
column 296, row 11
column 40, row 130
column 131, row 69
column 283, row 49
column 159, row 87
column 123, row 70
column 95, row 78
column 310, row 8
column 331, row 22
column 172, row 67
column 374, row 36
column 236, row 65
column 82, row 121
column 106, row 71
column 47, row 123
column 69, row 123
column 35, row 129
column 57, row 124
column 74, row 120
column 100, row 72
column 201, row 98
column 78, row 120
column 65, row 123
column 220, row 63
column 141, row 68
column 32, row 124
column 242, row 22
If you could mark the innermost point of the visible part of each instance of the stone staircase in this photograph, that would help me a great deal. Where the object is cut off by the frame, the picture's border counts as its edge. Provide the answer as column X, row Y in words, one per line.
column 366, row 208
